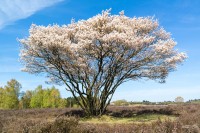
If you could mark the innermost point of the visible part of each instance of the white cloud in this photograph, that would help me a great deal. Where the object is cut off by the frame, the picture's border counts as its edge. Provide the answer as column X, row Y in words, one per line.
column 12, row 10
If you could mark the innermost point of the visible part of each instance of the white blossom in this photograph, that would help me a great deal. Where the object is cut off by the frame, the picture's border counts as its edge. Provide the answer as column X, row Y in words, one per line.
column 101, row 53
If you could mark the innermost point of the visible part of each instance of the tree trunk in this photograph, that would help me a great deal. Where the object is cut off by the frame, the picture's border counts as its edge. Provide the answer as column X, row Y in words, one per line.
column 94, row 108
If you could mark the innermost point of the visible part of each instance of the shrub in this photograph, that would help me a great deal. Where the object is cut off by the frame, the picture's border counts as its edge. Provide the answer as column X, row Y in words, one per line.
column 60, row 125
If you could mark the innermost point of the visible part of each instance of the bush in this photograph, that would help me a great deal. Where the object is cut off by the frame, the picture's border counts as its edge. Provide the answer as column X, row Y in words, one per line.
column 60, row 125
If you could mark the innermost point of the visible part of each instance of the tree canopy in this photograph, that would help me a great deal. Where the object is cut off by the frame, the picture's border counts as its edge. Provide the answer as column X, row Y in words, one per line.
column 37, row 98
column 93, row 57
column 179, row 99
column 9, row 94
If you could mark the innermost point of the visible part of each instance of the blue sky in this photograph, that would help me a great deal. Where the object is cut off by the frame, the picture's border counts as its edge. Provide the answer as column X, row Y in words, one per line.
column 180, row 17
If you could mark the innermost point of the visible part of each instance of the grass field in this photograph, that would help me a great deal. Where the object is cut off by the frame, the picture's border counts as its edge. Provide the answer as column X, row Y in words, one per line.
column 145, row 118
column 182, row 118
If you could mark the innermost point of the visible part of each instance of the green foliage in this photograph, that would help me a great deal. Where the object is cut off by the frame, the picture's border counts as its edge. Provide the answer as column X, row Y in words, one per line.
column 71, row 102
column 46, row 98
column 15, row 85
column 121, row 103
column 62, row 103
column 9, row 94
column 37, row 98
column 194, row 101
column 1, row 97
column 54, row 97
column 26, row 99
column 10, row 99
column 51, row 98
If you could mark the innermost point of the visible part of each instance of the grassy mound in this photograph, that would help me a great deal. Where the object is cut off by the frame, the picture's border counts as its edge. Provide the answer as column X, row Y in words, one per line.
column 145, row 118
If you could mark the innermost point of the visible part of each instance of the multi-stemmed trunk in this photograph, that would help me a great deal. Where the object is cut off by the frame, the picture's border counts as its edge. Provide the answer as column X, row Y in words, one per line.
column 93, row 105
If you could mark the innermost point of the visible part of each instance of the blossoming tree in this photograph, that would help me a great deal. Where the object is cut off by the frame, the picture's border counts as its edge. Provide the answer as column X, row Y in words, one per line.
column 93, row 57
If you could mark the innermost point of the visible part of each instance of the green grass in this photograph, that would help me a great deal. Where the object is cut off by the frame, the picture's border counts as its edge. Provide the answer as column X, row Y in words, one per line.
column 146, row 118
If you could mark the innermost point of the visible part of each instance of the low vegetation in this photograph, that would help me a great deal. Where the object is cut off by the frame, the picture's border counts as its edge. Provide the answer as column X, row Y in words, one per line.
column 139, row 119
column 176, row 118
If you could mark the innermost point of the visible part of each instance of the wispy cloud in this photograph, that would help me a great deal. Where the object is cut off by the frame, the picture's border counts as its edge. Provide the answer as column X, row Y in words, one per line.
column 12, row 10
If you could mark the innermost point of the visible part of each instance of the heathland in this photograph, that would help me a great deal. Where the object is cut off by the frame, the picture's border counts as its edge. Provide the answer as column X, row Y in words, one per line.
column 171, row 118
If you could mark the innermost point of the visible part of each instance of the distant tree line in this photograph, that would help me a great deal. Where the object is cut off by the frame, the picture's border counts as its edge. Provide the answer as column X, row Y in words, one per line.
column 12, row 98
column 177, row 100
column 194, row 101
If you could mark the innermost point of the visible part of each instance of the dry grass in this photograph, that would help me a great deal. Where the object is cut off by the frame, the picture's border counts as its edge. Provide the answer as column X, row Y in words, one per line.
column 183, row 118
column 138, row 119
